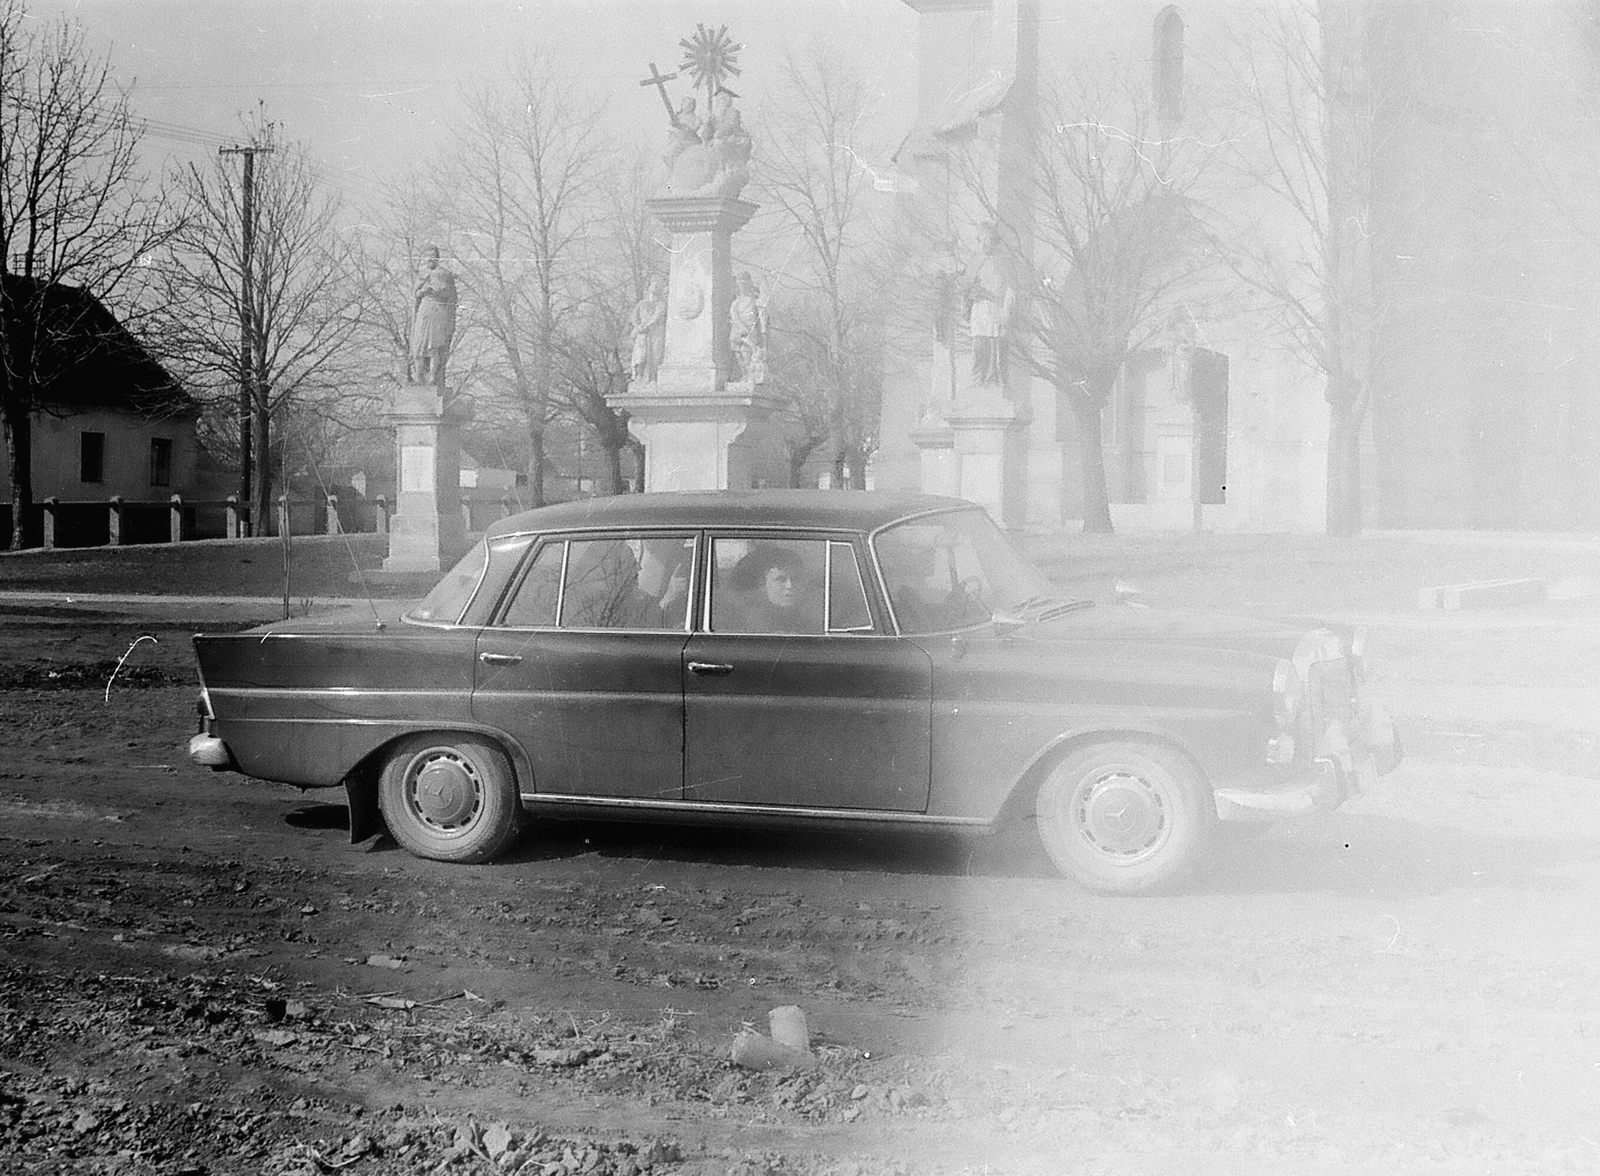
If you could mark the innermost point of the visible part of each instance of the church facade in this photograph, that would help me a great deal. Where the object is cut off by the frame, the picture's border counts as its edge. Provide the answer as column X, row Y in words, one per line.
column 1471, row 239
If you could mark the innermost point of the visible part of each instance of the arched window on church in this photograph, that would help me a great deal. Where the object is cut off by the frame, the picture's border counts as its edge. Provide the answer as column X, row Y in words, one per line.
column 1168, row 66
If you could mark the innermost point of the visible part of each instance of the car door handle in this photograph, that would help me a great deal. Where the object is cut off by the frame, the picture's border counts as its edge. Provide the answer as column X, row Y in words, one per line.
column 714, row 669
column 500, row 659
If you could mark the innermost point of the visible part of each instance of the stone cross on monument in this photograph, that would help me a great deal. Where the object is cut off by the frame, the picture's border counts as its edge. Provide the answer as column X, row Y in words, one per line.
column 703, row 417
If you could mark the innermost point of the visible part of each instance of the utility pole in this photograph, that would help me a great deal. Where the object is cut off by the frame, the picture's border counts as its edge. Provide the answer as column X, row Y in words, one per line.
column 246, row 323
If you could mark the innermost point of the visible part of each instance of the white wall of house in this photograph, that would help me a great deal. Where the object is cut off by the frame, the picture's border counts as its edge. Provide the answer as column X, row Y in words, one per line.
column 126, row 469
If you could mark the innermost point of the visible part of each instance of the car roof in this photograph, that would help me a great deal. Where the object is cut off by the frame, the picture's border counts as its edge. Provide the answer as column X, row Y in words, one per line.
column 852, row 510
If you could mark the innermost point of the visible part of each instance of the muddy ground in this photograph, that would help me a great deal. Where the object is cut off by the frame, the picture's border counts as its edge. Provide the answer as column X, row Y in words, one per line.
column 198, row 974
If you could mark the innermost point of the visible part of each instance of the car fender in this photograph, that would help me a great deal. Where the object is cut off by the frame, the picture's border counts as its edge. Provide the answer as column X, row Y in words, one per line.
column 1018, row 803
column 360, row 782
column 322, row 754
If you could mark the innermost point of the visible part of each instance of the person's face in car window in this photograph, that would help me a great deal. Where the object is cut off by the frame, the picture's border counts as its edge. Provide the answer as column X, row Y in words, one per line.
column 780, row 587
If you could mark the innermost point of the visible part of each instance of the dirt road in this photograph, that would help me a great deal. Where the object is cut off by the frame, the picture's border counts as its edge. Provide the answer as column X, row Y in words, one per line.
column 199, row 975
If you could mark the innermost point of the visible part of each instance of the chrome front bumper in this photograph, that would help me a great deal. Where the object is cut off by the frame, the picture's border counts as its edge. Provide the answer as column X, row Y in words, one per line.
column 1345, row 765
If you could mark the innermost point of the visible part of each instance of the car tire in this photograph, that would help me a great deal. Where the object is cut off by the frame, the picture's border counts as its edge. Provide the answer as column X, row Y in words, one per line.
column 451, row 797
column 1125, row 817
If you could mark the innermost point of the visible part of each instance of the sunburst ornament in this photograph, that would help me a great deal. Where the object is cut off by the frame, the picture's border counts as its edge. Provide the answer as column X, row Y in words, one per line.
column 710, row 58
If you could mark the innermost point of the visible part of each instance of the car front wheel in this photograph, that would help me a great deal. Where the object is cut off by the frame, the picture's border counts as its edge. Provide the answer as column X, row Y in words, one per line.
column 1124, row 817
column 452, row 798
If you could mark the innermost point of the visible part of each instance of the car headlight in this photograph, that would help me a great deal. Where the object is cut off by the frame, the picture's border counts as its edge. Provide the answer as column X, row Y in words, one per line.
column 1358, row 655
column 1287, row 693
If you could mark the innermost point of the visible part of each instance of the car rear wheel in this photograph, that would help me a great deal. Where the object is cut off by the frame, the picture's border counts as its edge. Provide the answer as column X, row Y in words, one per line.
column 452, row 798
column 1125, row 817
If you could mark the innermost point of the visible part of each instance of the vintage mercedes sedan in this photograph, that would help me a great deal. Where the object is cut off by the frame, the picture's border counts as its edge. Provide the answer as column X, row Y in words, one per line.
column 832, row 659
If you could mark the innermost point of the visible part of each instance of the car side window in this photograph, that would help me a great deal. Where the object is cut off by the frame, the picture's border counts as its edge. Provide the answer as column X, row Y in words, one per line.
column 762, row 584
column 613, row 582
column 664, row 565
column 847, row 596
column 534, row 604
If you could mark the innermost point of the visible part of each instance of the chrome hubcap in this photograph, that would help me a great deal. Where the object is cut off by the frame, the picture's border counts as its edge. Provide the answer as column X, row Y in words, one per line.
column 446, row 792
column 1121, row 815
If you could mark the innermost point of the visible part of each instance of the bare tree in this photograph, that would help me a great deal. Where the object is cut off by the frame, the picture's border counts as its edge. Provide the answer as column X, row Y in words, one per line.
column 595, row 345
column 1111, row 246
column 815, row 172
column 521, row 183
column 384, row 255
column 75, row 211
column 1301, row 72
column 298, row 313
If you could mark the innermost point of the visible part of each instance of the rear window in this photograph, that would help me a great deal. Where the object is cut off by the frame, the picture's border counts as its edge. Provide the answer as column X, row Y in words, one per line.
column 449, row 598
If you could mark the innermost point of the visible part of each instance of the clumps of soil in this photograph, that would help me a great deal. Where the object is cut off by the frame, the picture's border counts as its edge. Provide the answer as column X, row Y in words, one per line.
column 53, row 675
column 232, row 1073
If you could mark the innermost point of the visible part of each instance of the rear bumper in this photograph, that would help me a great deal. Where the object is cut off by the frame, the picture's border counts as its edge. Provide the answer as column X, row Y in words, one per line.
column 207, row 751
column 1346, row 764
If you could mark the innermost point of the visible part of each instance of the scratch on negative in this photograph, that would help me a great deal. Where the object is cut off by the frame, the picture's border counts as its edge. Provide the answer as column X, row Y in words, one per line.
column 136, row 643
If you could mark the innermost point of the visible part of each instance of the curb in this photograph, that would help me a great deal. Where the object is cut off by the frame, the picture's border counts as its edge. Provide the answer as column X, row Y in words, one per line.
column 1482, row 594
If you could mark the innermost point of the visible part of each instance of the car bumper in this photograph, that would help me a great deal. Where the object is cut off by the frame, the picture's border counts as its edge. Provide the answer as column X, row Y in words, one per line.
column 1347, row 763
column 207, row 751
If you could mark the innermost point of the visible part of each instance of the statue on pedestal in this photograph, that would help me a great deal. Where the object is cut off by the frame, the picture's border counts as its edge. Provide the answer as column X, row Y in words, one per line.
column 684, row 132
column 989, row 303
column 649, row 321
column 747, row 331
column 730, row 146
column 434, row 324
column 710, row 157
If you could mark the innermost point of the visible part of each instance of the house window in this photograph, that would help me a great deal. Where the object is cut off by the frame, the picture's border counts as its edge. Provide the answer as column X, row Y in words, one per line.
column 1168, row 66
column 161, row 461
column 91, row 457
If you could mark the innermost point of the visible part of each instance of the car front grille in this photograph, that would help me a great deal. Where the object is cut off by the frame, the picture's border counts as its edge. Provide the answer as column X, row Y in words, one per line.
column 1330, row 690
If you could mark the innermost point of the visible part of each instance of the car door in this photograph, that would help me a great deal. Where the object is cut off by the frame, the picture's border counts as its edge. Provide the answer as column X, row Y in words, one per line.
column 803, row 701
column 582, row 664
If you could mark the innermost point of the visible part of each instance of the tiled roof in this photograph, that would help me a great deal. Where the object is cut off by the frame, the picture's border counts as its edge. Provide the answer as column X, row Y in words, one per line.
column 84, row 358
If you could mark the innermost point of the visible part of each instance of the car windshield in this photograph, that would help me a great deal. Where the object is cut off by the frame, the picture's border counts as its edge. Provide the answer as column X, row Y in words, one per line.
column 957, row 570
column 450, row 595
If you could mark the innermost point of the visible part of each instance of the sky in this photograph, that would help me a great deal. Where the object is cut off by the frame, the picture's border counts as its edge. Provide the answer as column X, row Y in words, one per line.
column 370, row 85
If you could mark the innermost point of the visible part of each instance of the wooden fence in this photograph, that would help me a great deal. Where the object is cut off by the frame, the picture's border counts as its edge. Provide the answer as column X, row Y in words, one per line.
column 117, row 522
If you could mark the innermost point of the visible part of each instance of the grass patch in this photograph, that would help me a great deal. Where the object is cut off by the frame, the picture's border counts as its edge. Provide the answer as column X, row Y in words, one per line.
column 319, row 566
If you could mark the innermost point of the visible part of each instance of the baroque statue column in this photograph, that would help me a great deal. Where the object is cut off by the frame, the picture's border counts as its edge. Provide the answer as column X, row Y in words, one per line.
column 703, row 413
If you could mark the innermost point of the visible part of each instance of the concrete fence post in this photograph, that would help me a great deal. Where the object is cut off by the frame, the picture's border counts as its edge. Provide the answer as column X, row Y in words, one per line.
column 283, row 515
column 114, row 521
column 175, row 521
column 380, row 515
column 466, row 515
column 333, row 527
column 50, row 505
column 234, row 530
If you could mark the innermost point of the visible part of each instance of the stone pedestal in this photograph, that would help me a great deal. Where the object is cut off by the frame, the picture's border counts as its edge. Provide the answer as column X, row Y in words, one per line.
column 1174, row 480
column 936, row 450
column 986, row 430
column 700, row 429
column 426, row 532
column 723, row 441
